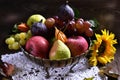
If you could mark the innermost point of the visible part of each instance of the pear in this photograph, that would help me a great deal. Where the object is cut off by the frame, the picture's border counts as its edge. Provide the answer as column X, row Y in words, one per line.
column 59, row 51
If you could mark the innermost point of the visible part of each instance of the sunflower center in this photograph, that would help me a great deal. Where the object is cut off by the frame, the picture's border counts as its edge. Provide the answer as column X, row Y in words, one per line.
column 102, row 47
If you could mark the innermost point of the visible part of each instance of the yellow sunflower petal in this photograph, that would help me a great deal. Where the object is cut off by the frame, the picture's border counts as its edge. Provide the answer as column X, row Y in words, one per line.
column 108, row 59
column 112, row 36
column 98, row 36
column 93, row 61
column 103, row 48
column 102, row 60
column 114, row 41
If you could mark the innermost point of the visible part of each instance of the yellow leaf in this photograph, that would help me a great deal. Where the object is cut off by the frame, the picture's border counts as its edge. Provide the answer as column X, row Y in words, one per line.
column 60, row 35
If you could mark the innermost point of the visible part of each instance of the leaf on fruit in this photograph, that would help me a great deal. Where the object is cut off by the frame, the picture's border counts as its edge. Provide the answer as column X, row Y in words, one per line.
column 59, row 35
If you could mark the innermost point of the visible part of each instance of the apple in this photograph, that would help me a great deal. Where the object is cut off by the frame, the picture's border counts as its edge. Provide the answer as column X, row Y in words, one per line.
column 77, row 45
column 35, row 18
column 38, row 46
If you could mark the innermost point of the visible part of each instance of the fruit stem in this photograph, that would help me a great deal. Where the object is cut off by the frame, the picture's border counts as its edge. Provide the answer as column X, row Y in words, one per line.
column 41, row 20
column 66, row 26
column 66, row 2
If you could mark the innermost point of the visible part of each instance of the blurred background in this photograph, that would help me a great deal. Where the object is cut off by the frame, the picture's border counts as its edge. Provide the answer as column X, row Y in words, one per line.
column 107, row 12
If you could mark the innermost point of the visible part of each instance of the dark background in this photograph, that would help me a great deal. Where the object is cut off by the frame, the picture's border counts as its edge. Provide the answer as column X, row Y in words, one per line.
column 107, row 12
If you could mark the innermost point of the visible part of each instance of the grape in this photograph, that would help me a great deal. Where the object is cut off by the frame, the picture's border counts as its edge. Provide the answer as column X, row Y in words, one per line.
column 15, row 46
column 17, row 37
column 29, row 32
column 28, row 36
column 79, row 26
column 50, row 22
column 80, row 19
column 86, row 24
column 71, row 29
column 58, row 22
column 22, row 35
column 14, row 41
column 10, row 40
column 71, row 24
column 22, row 42
column 10, row 46
column 89, row 32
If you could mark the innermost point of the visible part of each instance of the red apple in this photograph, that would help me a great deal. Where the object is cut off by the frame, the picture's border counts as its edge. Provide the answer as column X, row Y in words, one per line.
column 77, row 45
column 38, row 46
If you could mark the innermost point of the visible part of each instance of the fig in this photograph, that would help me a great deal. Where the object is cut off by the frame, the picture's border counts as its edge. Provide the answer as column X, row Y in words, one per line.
column 39, row 29
column 65, row 12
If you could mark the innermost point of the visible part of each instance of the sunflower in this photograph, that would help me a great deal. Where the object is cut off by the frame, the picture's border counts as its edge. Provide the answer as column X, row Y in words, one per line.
column 103, row 49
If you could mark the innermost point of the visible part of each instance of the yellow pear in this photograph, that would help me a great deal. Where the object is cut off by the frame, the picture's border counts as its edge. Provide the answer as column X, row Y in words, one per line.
column 59, row 51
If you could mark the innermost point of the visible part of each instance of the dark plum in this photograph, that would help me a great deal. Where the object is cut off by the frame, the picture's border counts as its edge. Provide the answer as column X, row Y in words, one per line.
column 65, row 12
column 39, row 29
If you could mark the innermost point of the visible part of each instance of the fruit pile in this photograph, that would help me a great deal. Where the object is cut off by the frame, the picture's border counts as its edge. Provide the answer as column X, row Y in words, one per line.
column 56, row 38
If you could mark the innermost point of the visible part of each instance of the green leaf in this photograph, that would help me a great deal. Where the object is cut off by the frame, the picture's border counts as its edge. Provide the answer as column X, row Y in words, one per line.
column 15, row 28
column 76, row 12
column 95, row 23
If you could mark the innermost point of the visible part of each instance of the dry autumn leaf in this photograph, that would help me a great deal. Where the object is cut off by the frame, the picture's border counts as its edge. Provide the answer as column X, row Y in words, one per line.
column 60, row 35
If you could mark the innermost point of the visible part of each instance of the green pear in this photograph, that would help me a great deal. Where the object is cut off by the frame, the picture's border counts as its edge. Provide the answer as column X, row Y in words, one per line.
column 35, row 18
column 59, row 51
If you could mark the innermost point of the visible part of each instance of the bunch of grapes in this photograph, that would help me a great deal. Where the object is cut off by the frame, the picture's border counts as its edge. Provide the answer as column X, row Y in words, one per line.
column 73, row 27
column 19, row 39
column 84, row 27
